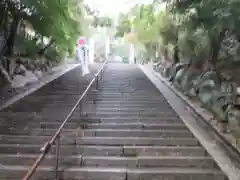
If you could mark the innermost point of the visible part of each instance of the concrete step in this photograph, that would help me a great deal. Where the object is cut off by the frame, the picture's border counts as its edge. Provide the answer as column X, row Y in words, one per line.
column 125, row 94
column 148, row 161
column 41, row 125
column 109, row 150
column 112, row 161
column 147, row 120
column 104, row 133
column 127, row 100
column 121, row 93
column 170, row 118
column 106, row 90
column 183, row 141
column 131, row 110
column 127, row 105
column 138, row 141
column 124, row 108
column 111, row 125
column 85, row 118
column 97, row 173
column 134, row 126
column 129, row 114
column 30, row 116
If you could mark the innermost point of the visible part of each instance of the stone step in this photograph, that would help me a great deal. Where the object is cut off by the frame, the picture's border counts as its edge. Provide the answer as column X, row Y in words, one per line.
column 111, row 125
column 138, row 141
column 103, row 90
column 112, row 161
column 134, row 126
column 148, row 161
column 125, row 92
column 134, row 114
column 124, row 88
column 103, row 133
column 97, row 173
column 127, row 105
column 109, row 150
column 183, row 141
column 120, row 89
column 30, row 116
column 122, row 83
column 149, row 121
column 120, row 119
column 85, row 118
column 133, row 118
column 124, row 108
column 41, row 125
column 37, row 115
column 169, row 120
column 127, row 100
column 132, row 111
column 110, row 93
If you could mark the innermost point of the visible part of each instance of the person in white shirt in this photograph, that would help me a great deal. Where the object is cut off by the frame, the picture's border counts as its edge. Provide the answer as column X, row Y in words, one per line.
column 83, row 57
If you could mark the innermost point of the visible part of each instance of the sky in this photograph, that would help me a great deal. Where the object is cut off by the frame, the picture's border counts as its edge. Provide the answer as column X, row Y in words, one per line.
column 114, row 7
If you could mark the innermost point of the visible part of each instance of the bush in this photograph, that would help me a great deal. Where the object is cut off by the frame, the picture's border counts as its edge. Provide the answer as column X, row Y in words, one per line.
column 55, row 55
column 29, row 48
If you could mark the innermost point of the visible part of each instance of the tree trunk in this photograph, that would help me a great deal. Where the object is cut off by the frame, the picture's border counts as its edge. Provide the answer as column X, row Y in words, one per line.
column 5, row 74
column 3, row 15
column 176, row 58
column 8, row 47
column 165, row 54
column 216, row 43
column 215, row 48
column 11, row 40
column 6, row 64
column 176, row 54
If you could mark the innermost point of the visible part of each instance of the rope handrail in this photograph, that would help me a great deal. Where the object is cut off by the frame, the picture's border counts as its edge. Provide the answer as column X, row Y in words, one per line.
column 56, row 137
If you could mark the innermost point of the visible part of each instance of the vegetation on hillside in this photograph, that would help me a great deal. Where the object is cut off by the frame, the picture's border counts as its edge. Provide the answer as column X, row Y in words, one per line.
column 38, row 28
column 192, row 41
column 42, row 33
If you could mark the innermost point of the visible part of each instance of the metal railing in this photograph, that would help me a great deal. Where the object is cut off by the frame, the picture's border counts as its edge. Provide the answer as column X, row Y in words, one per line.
column 55, row 140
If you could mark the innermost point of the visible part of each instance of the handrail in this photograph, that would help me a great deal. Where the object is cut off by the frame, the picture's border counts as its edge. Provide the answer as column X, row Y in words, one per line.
column 56, row 137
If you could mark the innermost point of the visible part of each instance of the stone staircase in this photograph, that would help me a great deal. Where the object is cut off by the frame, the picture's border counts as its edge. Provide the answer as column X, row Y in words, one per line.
column 128, row 132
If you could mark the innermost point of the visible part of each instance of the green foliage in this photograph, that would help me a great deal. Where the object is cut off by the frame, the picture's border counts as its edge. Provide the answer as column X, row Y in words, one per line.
column 29, row 48
column 124, row 25
column 52, row 54
column 104, row 21
column 204, row 33
column 57, row 20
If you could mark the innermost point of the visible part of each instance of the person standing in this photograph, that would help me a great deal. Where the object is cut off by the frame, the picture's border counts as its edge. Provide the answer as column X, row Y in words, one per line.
column 83, row 57
column 135, row 60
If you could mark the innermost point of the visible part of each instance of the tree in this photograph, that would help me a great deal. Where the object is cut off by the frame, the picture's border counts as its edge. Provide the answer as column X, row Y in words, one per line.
column 152, row 29
column 58, row 21
column 217, row 18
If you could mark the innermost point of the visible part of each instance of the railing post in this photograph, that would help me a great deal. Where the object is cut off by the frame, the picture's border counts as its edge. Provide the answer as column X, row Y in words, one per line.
column 57, row 156
column 101, row 75
column 96, row 82
column 80, row 107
